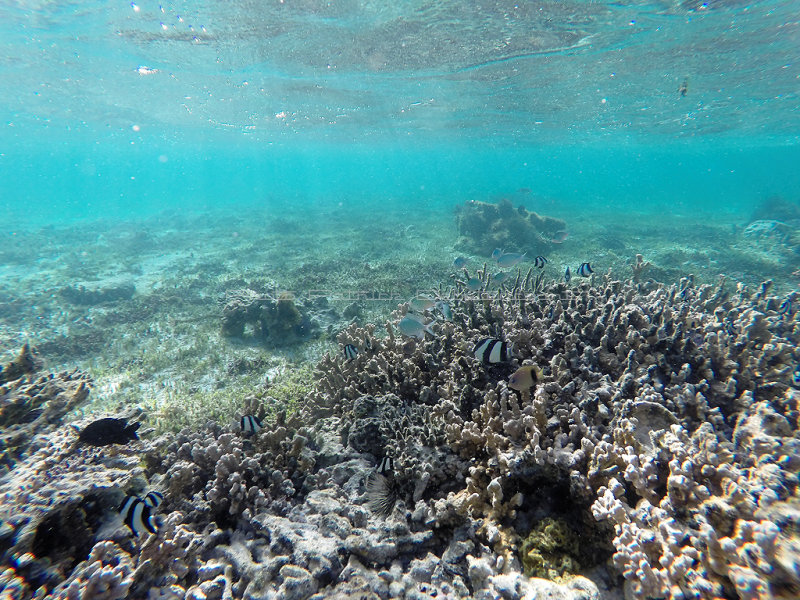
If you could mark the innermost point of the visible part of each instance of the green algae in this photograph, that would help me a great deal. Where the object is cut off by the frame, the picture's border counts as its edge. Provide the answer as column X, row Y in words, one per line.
column 550, row 550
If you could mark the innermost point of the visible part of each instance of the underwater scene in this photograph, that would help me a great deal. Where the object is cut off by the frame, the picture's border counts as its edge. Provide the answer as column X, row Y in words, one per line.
column 425, row 300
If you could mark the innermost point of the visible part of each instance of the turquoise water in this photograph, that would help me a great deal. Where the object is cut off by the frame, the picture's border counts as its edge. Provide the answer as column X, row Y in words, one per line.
column 125, row 109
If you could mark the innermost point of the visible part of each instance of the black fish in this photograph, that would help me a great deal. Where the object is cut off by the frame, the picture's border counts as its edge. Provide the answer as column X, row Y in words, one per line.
column 567, row 275
column 492, row 351
column 350, row 351
column 136, row 515
column 796, row 377
column 539, row 261
column 250, row 424
column 785, row 307
column 585, row 270
column 105, row 432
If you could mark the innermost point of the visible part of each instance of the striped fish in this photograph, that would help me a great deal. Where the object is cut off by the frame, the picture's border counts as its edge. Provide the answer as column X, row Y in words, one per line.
column 154, row 499
column 386, row 466
column 540, row 261
column 492, row 351
column 350, row 351
column 585, row 270
column 567, row 275
column 135, row 513
column 250, row 424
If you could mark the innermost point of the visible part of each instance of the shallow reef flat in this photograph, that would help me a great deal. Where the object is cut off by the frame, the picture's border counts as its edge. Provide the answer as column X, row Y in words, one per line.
column 655, row 456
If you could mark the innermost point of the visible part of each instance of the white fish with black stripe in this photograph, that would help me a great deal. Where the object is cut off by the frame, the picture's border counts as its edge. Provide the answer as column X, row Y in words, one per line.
column 250, row 424
column 585, row 270
column 350, row 351
column 154, row 499
column 386, row 466
column 136, row 514
column 491, row 351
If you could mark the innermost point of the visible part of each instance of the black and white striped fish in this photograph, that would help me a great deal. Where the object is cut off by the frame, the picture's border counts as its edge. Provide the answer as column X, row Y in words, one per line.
column 567, row 275
column 492, row 351
column 250, row 424
column 350, row 351
column 540, row 261
column 386, row 466
column 154, row 499
column 136, row 514
column 585, row 270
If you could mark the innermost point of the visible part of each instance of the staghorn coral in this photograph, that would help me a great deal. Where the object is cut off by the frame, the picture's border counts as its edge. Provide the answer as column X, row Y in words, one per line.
column 664, row 429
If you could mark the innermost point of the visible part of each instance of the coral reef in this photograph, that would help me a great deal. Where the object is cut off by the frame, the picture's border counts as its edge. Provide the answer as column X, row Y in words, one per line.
column 278, row 319
column 483, row 227
column 664, row 431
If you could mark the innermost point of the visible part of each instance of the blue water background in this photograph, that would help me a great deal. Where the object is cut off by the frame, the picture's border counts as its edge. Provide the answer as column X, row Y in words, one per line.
column 123, row 110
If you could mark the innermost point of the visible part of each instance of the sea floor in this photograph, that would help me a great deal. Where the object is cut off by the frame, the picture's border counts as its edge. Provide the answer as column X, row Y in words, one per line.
column 138, row 304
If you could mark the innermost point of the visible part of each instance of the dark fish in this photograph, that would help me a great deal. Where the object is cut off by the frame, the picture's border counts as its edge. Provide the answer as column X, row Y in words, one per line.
column 492, row 351
column 567, row 275
column 684, row 88
column 154, row 499
column 350, row 351
column 136, row 515
column 460, row 262
column 560, row 237
column 105, row 432
column 367, row 344
column 796, row 377
column 250, row 424
column 539, row 261
column 585, row 270
column 386, row 466
column 785, row 307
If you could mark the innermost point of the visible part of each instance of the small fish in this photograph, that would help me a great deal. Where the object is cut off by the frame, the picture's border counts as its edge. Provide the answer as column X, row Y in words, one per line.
column 510, row 259
column 559, row 237
column 105, row 432
column 421, row 303
column 524, row 378
column 444, row 309
column 500, row 277
column 684, row 87
column 135, row 513
column 250, row 424
column 492, row 351
column 785, row 307
column 460, row 262
column 567, row 275
column 386, row 466
column 474, row 284
column 540, row 261
column 585, row 270
column 417, row 317
column 154, row 499
column 413, row 328
column 796, row 377
column 497, row 253
column 350, row 351
column 367, row 344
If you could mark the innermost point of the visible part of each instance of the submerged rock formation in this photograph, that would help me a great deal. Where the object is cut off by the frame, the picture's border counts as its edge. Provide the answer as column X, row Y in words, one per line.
column 483, row 226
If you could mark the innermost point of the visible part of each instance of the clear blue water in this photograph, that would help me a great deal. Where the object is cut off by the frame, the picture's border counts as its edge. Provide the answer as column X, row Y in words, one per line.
column 122, row 109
